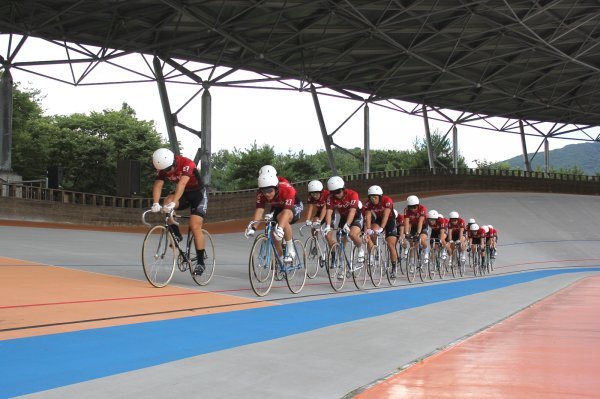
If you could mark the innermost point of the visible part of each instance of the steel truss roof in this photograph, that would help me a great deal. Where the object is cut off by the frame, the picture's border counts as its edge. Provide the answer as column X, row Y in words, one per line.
column 520, row 60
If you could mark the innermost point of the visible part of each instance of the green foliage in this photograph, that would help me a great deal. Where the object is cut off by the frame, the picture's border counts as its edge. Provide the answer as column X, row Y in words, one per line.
column 487, row 165
column 442, row 148
column 87, row 146
column 586, row 156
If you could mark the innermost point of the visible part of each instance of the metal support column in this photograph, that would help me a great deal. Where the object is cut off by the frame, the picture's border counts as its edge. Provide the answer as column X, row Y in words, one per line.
column 430, row 153
column 204, row 153
column 546, row 156
column 164, row 101
column 367, row 157
column 524, row 145
column 326, row 139
column 6, row 114
column 455, row 149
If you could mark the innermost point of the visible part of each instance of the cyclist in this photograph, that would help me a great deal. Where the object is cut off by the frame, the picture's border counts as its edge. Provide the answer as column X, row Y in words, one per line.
column 438, row 226
column 317, row 196
column 189, row 192
column 379, row 216
column 285, row 206
column 494, row 240
column 456, row 232
column 477, row 236
column 414, row 224
column 345, row 201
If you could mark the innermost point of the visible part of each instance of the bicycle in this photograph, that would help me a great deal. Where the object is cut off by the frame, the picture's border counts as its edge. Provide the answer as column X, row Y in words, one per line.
column 414, row 261
column 436, row 263
column 338, row 262
column 161, row 253
column 315, row 248
column 265, row 262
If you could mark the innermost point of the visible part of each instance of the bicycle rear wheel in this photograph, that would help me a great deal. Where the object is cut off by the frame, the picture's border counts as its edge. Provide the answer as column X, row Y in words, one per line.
column 158, row 256
column 376, row 264
column 442, row 266
column 261, row 266
column 313, row 256
column 336, row 267
column 209, row 258
column 295, row 273
column 412, row 264
column 359, row 269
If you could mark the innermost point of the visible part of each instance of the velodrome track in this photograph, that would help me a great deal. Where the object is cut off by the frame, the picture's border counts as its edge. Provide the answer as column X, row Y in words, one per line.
column 92, row 327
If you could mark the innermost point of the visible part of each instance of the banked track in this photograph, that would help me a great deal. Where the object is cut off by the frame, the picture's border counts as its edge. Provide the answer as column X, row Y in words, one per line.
column 314, row 345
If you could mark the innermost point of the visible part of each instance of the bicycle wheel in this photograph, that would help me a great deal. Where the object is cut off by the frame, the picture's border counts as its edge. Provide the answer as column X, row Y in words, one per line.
column 376, row 264
column 442, row 266
column 400, row 264
column 412, row 264
column 261, row 266
column 336, row 269
column 359, row 269
column 158, row 256
column 453, row 263
column 476, row 261
column 434, row 262
column 209, row 258
column 492, row 260
column 295, row 272
column 313, row 256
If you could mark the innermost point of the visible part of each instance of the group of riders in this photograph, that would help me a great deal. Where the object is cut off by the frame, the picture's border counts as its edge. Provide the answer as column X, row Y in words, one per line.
column 376, row 216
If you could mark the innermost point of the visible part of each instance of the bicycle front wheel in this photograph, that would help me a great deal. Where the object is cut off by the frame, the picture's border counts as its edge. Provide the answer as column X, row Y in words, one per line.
column 261, row 266
column 376, row 263
column 359, row 269
column 336, row 267
column 412, row 263
column 313, row 256
column 158, row 256
column 295, row 272
column 209, row 258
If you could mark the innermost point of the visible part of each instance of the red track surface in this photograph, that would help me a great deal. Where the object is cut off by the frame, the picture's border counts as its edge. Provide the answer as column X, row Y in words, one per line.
column 550, row 350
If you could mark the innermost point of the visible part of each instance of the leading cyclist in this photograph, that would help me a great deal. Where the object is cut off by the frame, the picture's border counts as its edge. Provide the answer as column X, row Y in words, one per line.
column 189, row 191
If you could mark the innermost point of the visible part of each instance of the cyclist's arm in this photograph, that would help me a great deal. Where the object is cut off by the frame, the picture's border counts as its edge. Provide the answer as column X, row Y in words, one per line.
column 309, row 212
column 328, row 215
column 157, row 190
column 180, row 188
column 385, row 217
column 420, row 224
column 258, row 213
column 323, row 213
column 351, row 214
column 368, row 217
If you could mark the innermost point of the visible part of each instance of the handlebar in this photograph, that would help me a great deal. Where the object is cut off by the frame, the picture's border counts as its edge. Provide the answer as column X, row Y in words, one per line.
column 169, row 215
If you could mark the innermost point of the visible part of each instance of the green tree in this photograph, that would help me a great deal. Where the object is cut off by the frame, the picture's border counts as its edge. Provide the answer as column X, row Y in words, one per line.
column 246, row 164
column 442, row 148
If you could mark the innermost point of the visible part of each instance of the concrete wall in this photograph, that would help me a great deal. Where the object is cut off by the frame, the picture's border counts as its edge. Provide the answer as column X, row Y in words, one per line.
column 240, row 205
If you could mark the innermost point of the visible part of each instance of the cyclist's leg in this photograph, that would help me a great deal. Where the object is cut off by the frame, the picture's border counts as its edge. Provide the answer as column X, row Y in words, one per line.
column 443, row 243
column 424, row 239
column 284, row 219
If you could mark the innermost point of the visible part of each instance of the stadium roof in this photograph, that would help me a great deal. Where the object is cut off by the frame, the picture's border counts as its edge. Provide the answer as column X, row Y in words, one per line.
column 533, row 60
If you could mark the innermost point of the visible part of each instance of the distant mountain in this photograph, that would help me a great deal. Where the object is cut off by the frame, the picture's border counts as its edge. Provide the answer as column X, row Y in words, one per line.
column 584, row 155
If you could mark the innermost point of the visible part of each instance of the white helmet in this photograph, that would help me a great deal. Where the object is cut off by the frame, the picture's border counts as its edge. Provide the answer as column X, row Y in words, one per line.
column 454, row 215
column 474, row 227
column 440, row 215
column 433, row 214
column 471, row 221
column 490, row 226
column 315, row 186
column 486, row 229
column 375, row 190
column 335, row 183
column 412, row 200
column 267, row 169
column 163, row 158
column 267, row 180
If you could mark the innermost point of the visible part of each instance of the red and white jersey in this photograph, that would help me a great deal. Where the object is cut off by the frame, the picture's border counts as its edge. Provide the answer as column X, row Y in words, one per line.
column 438, row 224
column 478, row 234
column 414, row 215
column 493, row 233
column 321, row 202
column 384, row 203
column 343, row 206
column 455, row 228
column 183, row 167
column 285, row 197
column 282, row 179
column 399, row 219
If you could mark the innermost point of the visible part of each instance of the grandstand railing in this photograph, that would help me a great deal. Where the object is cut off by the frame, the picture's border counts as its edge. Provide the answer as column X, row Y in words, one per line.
column 30, row 192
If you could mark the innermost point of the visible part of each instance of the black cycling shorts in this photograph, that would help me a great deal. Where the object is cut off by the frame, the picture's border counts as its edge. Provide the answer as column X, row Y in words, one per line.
column 196, row 200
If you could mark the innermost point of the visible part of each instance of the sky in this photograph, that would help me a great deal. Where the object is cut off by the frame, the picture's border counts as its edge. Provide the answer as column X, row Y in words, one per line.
column 285, row 120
